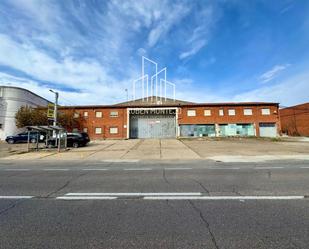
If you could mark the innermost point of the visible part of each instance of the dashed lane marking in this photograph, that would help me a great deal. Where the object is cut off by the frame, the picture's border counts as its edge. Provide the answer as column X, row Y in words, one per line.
column 223, row 197
column 86, row 198
column 136, row 194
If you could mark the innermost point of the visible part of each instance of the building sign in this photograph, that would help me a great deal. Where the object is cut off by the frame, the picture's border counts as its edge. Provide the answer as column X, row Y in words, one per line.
column 50, row 110
column 153, row 112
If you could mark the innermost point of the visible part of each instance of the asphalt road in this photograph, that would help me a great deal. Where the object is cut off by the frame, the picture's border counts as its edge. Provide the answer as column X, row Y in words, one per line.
column 130, row 204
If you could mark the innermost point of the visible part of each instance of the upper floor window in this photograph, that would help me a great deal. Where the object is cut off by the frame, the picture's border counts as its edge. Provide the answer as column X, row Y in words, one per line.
column 98, row 114
column 85, row 114
column 247, row 111
column 191, row 113
column 221, row 112
column 207, row 112
column 231, row 112
column 113, row 114
column 85, row 129
column 76, row 115
column 265, row 111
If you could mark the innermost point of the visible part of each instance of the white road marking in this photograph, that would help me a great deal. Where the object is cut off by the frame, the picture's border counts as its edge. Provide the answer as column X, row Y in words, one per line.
column 177, row 168
column 96, row 169
column 133, row 169
column 268, row 167
column 86, row 198
column 16, row 197
column 223, row 197
column 135, row 194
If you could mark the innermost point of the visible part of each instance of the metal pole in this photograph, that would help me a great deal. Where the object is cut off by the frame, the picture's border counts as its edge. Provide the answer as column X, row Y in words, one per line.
column 56, row 108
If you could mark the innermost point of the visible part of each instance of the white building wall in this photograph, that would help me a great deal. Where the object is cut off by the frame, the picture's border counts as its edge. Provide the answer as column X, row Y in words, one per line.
column 11, row 99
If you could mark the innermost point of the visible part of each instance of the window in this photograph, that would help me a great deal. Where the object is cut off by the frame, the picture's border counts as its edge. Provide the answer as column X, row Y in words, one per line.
column 85, row 129
column 98, row 130
column 113, row 130
column 191, row 113
column 221, row 112
column 207, row 112
column 265, row 111
column 76, row 115
column 0, row 126
column 75, row 130
column 231, row 112
column 247, row 111
column 85, row 114
column 98, row 114
column 113, row 114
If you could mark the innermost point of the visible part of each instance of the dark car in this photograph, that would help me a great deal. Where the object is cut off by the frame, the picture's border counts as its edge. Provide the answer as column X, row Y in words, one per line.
column 75, row 140
column 23, row 137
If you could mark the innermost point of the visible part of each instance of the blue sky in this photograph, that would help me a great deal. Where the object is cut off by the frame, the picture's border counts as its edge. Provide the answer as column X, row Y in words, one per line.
column 216, row 51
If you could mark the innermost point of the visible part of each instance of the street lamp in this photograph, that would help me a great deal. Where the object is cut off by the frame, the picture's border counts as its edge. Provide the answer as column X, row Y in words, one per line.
column 55, row 106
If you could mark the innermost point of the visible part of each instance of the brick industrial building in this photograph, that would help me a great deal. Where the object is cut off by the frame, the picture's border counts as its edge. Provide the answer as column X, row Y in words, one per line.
column 295, row 120
column 159, row 117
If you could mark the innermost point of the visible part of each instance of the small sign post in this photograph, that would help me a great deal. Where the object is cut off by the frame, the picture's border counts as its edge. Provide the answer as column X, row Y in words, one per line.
column 50, row 111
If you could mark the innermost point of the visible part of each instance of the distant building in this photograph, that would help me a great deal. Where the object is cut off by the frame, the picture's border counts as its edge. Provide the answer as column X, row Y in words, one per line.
column 155, row 117
column 11, row 99
column 295, row 120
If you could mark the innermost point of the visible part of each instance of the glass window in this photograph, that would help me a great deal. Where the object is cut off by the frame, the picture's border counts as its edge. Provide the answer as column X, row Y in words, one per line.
column 75, row 130
column 231, row 112
column 113, row 114
column 76, row 115
column 98, row 114
column 247, row 111
column 265, row 111
column 221, row 112
column 191, row 113
column 85, row 114
column 113, row 130
column 207, row 112
column 98, row 130
column 85, row 129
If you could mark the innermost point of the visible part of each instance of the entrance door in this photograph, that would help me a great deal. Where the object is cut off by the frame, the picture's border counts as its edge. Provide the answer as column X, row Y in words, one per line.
column 268, row 130
column 152, row 126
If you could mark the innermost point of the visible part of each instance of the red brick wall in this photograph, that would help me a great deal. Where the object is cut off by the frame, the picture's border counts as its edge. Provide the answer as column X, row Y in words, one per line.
column 105, row 122
column 239, row 117
column 91, row 122
column 295, row 120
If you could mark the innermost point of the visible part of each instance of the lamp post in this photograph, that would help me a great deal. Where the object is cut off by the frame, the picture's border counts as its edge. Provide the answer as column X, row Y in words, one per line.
column 55, row 106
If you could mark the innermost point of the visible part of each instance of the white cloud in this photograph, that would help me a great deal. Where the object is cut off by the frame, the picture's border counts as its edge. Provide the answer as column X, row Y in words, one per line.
column 293, row 90
column 201, row 34
column 172, row 14
column 272, row 73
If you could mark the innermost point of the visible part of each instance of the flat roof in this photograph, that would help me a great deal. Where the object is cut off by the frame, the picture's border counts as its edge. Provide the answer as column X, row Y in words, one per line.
column 118, row 106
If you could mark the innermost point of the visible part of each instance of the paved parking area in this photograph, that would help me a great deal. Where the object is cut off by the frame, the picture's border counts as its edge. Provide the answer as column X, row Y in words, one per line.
column 239, row 149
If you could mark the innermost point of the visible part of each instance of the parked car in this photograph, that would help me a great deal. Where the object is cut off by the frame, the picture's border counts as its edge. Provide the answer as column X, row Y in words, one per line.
column 75, row 140
column 23, row 137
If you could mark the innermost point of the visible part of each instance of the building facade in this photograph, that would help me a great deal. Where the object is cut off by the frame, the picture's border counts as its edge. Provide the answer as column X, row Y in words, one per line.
column 11, row 99
column 295, row 120
column 167, row 118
